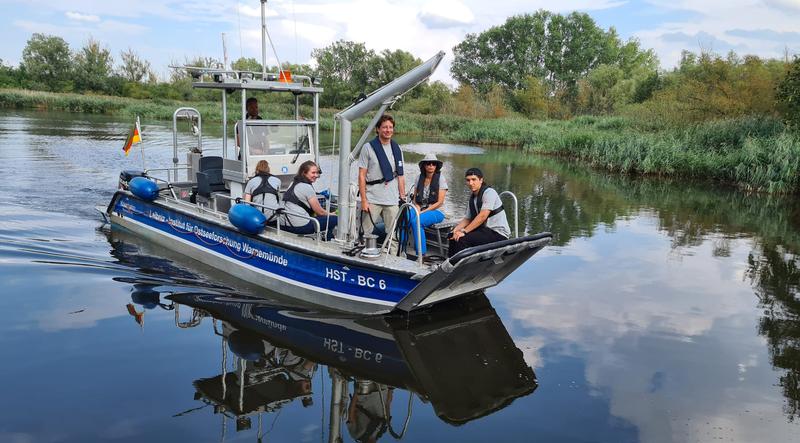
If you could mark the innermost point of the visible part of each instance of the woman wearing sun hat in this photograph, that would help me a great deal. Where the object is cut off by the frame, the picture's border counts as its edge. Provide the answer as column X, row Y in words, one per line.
column 428, row 197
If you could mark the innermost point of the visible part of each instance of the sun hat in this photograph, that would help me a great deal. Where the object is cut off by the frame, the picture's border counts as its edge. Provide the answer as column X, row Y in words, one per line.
column 430, row 158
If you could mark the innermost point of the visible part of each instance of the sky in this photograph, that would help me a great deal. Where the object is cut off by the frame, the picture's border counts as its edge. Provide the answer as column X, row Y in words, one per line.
column 169, row 31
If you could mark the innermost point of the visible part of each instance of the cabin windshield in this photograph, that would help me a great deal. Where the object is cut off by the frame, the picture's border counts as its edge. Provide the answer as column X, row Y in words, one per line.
column 284, row 144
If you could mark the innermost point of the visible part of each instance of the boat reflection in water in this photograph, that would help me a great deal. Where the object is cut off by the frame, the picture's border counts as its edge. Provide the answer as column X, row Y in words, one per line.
column 457, row 356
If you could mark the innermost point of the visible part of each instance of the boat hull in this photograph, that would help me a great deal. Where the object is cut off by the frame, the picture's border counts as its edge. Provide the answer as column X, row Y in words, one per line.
column 305, row 275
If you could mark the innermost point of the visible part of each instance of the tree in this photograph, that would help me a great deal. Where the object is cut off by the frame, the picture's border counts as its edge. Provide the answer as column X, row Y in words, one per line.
column 46, row 61
column 10, row 77
column 788, row 94
column 133, row 68
column 344, row 68
column 559, row 50
column 392, row 64
column 92, row 67
column 531, row 100
column 246, row 64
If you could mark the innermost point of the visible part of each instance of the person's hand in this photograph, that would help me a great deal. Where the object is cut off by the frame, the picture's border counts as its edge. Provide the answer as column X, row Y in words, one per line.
column 458, row 234
column 365, row 206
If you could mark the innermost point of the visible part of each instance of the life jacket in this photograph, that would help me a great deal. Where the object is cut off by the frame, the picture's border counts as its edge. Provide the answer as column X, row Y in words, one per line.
column 476, row 201
column 433, row 190
column 265, row 187
column 290, row 196
column 383, row 161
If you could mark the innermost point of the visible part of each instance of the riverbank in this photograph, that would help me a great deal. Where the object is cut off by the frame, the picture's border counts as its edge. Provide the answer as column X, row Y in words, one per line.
column 755, row 153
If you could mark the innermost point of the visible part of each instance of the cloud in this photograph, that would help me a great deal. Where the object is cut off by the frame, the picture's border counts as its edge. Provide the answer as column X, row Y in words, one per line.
column 765, row 34
column 784, row 5
column 446, row 14
column 77, row 16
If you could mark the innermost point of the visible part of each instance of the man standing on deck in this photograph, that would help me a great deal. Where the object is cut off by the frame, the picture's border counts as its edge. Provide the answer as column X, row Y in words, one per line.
column 380, row 177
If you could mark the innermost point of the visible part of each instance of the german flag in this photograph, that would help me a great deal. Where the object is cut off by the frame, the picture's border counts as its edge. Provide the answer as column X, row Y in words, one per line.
column 134, row 137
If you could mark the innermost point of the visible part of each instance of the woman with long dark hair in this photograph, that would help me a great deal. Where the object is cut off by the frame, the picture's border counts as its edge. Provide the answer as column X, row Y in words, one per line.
column 301, row 199
column 428, row 197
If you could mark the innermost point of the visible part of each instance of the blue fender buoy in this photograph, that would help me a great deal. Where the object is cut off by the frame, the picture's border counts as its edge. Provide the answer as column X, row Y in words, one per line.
column 245, row 345
column 143, row 188
column 246, row 218
column 146, row 298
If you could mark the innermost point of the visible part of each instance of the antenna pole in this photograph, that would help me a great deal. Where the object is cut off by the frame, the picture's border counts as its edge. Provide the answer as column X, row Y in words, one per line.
column 224, row 52
column 263, row 39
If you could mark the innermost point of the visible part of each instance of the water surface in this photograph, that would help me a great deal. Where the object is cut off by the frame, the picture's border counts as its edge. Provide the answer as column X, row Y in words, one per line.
column 663, row 311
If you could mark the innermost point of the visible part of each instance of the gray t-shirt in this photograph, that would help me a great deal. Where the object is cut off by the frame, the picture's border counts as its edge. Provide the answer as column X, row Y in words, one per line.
column 265, row 198
column 304, row 192
column 497, row 222
column 384, row 193
column 426, row 191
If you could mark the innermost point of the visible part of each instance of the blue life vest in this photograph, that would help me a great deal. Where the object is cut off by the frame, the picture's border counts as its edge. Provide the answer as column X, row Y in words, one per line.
column 383, row 161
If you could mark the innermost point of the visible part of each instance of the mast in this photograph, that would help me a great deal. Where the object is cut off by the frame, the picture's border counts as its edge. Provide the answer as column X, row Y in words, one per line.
column 383, row 97
column 263, row 39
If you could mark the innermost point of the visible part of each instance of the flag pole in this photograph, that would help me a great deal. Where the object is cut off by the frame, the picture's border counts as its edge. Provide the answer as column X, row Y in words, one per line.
column 141, row 144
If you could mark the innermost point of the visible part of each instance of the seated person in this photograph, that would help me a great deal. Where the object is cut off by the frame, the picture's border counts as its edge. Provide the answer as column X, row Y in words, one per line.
column 263, row 189
column 301, row 198
column 485, row 220
column 428, row 197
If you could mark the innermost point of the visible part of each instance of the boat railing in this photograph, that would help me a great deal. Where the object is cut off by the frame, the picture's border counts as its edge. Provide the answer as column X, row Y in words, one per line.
column 174, row 169
column 516, row 211
column 167, row 182
column 280, row 210
column 390, row 233
column 197, row 317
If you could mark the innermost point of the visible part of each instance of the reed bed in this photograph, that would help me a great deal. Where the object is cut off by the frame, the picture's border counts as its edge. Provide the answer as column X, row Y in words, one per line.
column 757, row 153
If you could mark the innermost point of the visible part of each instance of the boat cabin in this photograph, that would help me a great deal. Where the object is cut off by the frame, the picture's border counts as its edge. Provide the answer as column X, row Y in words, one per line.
column 284, row 143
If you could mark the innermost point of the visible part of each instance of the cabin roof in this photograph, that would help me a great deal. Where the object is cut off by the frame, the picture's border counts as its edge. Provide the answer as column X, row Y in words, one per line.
column 259, row 85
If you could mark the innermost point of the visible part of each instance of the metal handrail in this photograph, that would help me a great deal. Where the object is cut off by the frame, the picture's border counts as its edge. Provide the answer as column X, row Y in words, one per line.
column 516, row 211
column 389, row 233
column 317, row 227
column 169, row 185
column 197, row 318
column 175, row 168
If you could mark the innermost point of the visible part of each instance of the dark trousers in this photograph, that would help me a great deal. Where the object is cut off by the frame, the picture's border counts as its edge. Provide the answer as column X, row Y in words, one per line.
column 480, row 236
column 309, row 228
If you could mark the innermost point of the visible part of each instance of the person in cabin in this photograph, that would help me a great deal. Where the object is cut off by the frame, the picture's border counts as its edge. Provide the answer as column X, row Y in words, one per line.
column 251, row 105
column 428, row 196
column 485, row 220
column 301, row 198
column 380, row 177
column 263, row 189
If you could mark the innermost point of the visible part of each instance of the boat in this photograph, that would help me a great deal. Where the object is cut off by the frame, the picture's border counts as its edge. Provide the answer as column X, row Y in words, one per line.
column 195, row 208
column 457, row 356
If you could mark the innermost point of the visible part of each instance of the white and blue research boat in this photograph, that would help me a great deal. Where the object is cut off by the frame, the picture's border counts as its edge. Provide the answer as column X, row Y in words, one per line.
column 190, row 215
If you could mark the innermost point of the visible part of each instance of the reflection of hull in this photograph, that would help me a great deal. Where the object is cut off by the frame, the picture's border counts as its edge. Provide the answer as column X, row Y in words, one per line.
column 458, row 356
column 316, row 272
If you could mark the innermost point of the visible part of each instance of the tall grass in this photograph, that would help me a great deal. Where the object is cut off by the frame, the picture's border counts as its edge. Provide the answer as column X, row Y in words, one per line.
column 757, row 153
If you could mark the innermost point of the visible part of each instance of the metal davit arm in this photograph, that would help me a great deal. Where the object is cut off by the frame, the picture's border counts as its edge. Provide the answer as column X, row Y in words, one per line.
column 386, row 94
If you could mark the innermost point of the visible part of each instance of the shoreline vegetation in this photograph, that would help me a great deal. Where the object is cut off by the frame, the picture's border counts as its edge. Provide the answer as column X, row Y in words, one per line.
column 755, row 153
column 549, row 84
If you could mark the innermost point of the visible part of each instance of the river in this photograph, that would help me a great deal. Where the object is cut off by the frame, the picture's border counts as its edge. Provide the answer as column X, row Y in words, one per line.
column 663, row 311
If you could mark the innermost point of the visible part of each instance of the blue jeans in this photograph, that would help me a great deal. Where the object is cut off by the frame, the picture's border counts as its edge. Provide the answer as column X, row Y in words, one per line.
column 309, row 228
column 426, row 219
